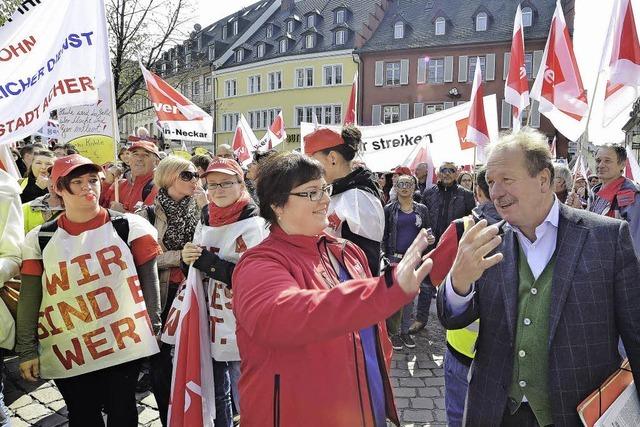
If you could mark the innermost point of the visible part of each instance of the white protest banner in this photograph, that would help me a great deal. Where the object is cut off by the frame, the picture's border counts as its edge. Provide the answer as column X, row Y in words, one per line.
column 93, row 314
column 443, row 133
column 179, row 118
column 51, row 56
column 49, row 131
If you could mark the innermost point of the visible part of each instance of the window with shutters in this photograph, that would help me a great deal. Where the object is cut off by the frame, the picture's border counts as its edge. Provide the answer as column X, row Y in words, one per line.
column 269, row 31
column 390, row 114
column 340, row 16
column 310, row 41
column 528, row 65
column 254, row 84
column 527, row 17
column 398, row 30
column 440, row 26
column 262, row 119
column 472, row 67
column 230, row 88
column 275, row 80
column 435, row 73
column 332, row 75
column 392, row 73
column 207, row 84
column 212, row 52
column 432, row 108
column 304, row 77
column 283, row 45
column 481, row 21
column 330, row 114
column 341, row 37
column 224, row 32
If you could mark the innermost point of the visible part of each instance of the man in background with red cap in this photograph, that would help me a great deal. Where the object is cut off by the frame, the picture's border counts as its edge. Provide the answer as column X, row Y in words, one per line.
column 139, row 189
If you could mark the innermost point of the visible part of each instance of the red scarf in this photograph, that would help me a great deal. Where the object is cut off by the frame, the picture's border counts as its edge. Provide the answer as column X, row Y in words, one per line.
column 609, row 192
column 228, row 215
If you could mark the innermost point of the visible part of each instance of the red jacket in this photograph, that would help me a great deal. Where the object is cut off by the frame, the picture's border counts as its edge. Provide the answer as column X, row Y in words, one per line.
column 297, row 331
column 130, row 193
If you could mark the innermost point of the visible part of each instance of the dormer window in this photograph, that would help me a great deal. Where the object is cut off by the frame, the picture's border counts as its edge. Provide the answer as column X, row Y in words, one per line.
column 188, row 59
column 239, row 55
column 311, row 21
column 341, row 37
column 398, row 30
column 260, row 50
column 527, row 17
column 269, row 31
column 440, row 26
column 290, row 25
column 310, row 41
column 224, row 32
column 212, row 52
column 481, row 21
column 340, row 16
column 283, row 45
column 235, row 27
column 175, row 64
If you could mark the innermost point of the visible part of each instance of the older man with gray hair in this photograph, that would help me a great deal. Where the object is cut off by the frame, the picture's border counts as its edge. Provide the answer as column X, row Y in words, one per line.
column 553, row 295
column 562, row 181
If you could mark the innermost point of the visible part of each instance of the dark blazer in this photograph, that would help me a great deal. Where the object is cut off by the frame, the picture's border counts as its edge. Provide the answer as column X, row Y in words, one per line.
column 461, row 204
column 595, row 300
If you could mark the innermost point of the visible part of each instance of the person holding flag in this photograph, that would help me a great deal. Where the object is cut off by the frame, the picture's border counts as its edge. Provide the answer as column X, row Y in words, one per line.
column 229, row 226
column 92, row 272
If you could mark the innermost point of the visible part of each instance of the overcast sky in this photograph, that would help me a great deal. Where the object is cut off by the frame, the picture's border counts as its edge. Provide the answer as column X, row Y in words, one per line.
column 589, row 36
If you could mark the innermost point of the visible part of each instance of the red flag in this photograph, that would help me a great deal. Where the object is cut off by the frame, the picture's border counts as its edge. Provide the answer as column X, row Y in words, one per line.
column 350, row 114
column 516, row 88
column 477, row 130
column 558, row 86
column 277, row 132
column 621, row 60
column 192, row 389
column 244, row 142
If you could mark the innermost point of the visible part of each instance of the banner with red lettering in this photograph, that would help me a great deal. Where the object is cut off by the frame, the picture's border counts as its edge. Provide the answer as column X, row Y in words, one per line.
column 93, row 313
column 52, row 55
column 229, row 242
column 443, row 134
column 179, row 117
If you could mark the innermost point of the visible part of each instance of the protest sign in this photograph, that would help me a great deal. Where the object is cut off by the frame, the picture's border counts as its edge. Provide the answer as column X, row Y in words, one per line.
column 443, row 134
column 46, row 67
column 93, row 313
column 178, row 117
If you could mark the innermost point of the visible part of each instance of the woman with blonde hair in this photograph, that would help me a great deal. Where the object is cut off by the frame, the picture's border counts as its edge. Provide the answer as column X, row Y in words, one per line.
column 174, row 214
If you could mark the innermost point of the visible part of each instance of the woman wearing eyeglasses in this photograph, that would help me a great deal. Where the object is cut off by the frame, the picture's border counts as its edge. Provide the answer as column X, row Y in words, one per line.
column 174, row 214
column 229, row 225
column 310, row 317
column 355, row 211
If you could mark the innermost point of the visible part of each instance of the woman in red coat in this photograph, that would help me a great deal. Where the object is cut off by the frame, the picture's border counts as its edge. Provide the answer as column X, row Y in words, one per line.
column 310, row 319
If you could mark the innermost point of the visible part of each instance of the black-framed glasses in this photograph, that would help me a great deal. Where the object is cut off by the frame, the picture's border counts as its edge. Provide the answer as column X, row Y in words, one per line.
column 405, row 184
column 188, row 175
column 315, row 195
column 225, row 185
column 447, row 170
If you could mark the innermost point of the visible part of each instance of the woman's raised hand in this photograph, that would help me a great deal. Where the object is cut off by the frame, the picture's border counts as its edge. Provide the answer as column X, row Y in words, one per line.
column 412, row 268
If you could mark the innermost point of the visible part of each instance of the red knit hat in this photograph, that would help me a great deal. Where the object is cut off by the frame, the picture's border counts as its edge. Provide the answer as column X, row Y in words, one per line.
column 321, row 139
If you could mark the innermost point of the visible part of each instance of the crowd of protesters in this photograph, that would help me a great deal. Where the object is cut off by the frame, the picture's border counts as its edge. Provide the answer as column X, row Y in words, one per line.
column 319, row 269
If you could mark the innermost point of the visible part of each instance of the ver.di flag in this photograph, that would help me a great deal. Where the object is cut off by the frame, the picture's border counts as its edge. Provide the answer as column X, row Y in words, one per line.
column 53, row 56
column 244, row 142
column 179, row 117
column 516, row 86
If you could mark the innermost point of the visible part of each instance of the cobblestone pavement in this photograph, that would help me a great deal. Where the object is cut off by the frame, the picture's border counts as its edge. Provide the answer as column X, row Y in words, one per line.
column 416, row 374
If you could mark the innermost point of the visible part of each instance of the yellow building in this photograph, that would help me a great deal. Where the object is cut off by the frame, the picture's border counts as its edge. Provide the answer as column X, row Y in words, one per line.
column 300, row 62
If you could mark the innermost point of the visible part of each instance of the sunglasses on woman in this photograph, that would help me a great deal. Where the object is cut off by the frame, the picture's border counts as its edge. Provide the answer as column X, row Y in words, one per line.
column 315, row 195
column 188, row 175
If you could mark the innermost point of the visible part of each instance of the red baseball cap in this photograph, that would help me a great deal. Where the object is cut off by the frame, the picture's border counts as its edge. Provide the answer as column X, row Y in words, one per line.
column 402, row 170
column 64, row 165
column 147, row 146
column 223, row 165
column 321, row 139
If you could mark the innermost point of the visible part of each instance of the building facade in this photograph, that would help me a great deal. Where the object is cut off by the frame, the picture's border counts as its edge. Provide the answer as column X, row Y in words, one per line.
column 422, row 58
